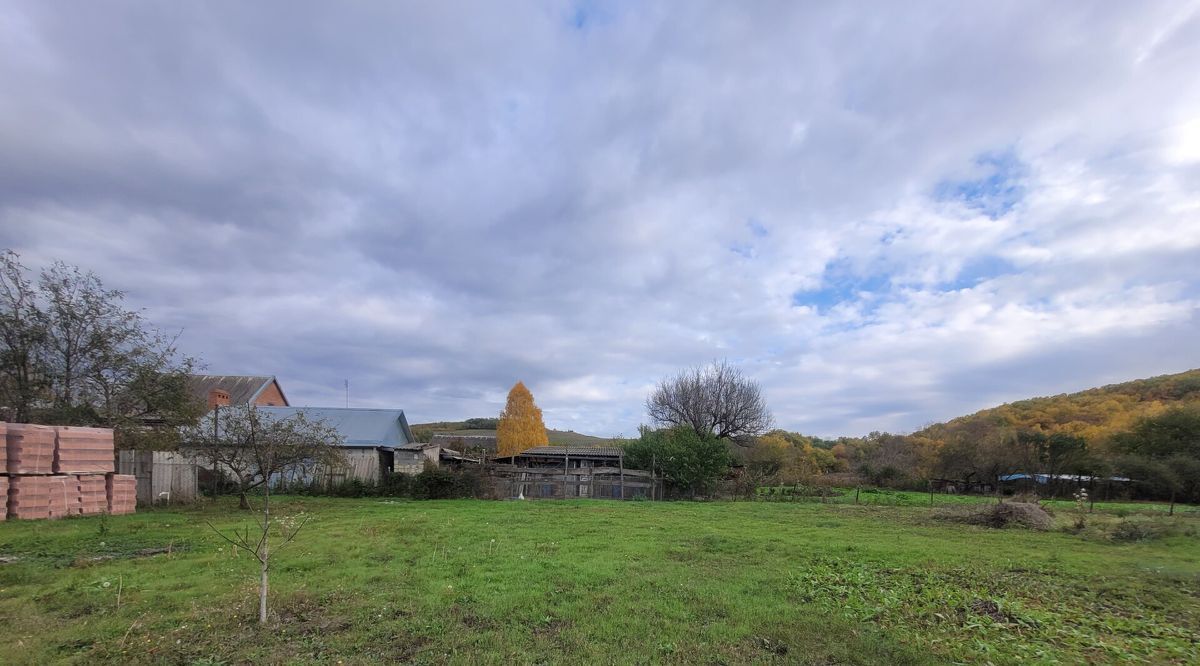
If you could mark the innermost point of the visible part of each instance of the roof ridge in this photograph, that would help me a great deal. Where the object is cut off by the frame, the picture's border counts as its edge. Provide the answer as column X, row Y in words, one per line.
column 343, row 409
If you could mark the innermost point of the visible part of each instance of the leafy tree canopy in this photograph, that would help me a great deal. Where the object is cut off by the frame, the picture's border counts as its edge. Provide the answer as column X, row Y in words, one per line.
column 71, row 353
column 520, row 426
column 689, row 462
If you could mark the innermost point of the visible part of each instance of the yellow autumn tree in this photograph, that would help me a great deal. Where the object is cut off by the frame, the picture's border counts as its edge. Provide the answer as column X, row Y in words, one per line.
column 520, row 424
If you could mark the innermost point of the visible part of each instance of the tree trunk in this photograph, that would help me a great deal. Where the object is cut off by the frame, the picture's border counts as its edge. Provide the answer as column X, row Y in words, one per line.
column 265, row 555
column 262, row 585
column 243, row 501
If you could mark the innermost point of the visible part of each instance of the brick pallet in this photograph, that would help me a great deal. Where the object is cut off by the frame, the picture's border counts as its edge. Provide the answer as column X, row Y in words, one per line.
column 93, row 494
column 64, row 496
column 83, row 450
column 61, row 471
column 30, row 448
column 122, row 493
column 29, row 497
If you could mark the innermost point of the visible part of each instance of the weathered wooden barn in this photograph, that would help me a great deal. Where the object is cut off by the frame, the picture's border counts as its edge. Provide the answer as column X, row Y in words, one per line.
column 566, row 472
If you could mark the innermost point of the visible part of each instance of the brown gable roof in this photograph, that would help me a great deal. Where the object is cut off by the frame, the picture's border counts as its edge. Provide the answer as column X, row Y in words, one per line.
column 242, row 389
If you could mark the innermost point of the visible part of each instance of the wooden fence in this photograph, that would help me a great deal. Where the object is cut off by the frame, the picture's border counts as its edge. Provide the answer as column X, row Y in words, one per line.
column 509, row 481
column 162, row 476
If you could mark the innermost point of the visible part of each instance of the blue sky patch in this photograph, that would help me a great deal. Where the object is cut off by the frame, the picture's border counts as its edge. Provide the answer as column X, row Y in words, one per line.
column 579, row 18
column 981, row 269
column 586, row 14
column 998, row 189
column 841, row 285
column 745, row 250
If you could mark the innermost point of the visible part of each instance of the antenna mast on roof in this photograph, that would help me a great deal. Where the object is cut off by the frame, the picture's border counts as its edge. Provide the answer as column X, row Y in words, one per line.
column 347, row 392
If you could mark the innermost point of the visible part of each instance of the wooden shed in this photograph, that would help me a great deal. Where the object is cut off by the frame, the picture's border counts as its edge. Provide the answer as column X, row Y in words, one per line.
column 544, row 472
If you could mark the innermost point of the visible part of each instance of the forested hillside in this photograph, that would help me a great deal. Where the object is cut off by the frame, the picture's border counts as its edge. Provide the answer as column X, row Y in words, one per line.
column 1147, row 430
column 1095, row 414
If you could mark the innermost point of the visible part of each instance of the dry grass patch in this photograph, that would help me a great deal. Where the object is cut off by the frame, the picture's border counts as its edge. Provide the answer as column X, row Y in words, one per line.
column 1007, row 514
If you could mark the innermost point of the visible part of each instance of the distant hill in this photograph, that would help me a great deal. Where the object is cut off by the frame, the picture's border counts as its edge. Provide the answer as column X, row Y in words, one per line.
column 1095, row 414
column 423, row 431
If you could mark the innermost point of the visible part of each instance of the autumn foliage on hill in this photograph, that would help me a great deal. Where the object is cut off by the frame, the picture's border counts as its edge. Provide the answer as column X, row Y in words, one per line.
column 1096, row 414
column 1147, row 430
column 520, row 425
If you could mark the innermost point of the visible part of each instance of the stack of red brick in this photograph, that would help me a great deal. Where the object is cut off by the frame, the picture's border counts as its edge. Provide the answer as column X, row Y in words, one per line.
column 61, row 471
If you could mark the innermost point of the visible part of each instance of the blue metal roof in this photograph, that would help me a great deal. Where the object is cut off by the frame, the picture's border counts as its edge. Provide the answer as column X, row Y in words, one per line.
column 1045, row 478
column 359, row 427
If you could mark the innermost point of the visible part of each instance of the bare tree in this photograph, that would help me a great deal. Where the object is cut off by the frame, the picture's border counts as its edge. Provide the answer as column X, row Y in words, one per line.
column 252, row 447
column 258, row 543
column 717, row 399
column 257, row 449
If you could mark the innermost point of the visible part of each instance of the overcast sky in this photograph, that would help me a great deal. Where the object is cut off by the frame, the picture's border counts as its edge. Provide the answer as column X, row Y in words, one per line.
column 889, row 214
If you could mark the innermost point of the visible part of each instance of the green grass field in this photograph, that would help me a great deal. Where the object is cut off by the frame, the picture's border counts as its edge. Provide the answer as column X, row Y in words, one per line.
column 883, row 497
column 601, row 582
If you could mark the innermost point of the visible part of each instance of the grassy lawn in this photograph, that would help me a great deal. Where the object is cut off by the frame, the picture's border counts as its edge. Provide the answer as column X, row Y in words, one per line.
column 883, row 497
column 593, row 581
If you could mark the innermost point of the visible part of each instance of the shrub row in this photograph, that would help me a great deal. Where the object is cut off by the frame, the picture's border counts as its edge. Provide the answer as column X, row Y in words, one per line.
column 433, row 483
column 792, row 493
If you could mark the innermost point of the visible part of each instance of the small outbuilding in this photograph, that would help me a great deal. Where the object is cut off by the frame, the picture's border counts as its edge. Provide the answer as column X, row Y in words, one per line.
column 566, row 472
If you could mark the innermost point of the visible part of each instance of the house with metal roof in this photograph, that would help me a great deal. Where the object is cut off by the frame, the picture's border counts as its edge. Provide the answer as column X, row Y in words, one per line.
column 372, row 439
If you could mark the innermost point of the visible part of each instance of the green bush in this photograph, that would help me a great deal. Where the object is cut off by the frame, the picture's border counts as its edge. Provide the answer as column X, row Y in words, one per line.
column 352, row 488
column 1129, row 530
column 691, row 464
column 396, row 485
column 434, row 483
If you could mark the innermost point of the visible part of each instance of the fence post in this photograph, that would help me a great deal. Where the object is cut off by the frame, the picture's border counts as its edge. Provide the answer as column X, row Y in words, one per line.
column 621, row 459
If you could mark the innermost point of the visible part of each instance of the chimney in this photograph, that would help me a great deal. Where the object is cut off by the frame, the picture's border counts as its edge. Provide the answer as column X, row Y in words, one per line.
column 217, row 398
